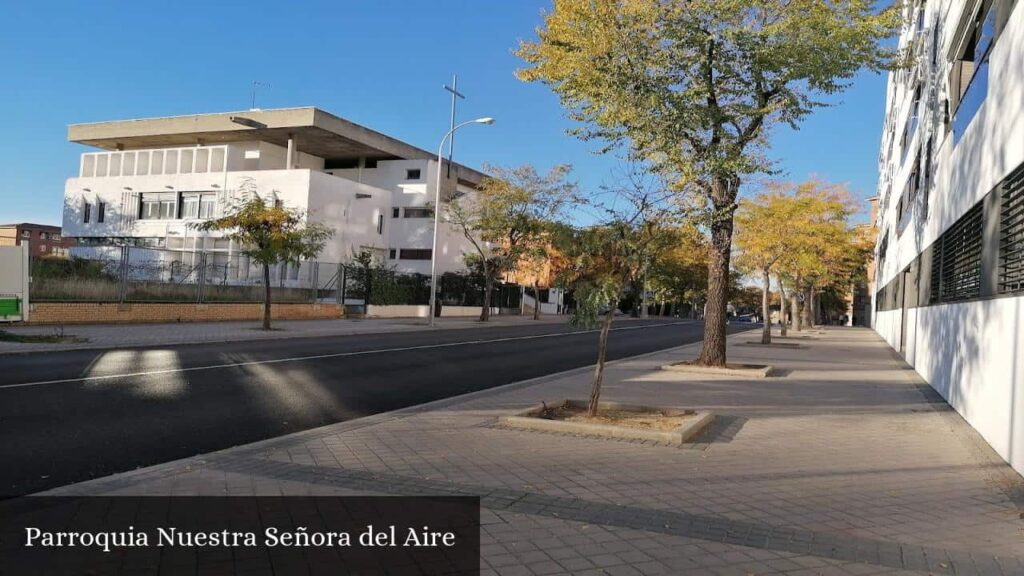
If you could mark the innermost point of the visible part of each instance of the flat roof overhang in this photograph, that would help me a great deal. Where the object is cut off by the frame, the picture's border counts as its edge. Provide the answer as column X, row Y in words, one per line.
column 314, row 132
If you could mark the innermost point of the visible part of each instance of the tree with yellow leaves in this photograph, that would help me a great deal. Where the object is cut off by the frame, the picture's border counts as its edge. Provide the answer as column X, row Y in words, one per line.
column 694, row 88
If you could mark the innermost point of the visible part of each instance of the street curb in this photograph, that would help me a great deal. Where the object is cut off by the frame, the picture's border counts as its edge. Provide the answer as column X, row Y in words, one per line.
column 191, row 463
column 410, row 329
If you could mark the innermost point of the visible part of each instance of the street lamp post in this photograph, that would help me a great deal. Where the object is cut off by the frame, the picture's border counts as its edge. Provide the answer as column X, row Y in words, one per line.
column 437, row 211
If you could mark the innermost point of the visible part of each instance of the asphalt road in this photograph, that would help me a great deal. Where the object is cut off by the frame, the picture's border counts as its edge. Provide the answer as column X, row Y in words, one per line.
column 70, row 416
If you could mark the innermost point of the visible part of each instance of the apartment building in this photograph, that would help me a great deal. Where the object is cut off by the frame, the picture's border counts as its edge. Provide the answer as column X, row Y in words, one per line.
column 950, row 253
column 153, row 179
column 42, row 239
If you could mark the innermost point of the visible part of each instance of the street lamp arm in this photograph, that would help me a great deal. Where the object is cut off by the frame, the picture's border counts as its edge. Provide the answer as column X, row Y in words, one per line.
column 437, row 211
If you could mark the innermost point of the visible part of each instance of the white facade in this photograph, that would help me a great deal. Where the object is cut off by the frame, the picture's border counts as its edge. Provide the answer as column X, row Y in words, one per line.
column 153, row 195
column 949, row 255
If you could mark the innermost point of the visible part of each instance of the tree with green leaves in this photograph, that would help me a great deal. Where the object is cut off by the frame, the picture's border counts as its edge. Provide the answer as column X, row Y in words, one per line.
column 605, row 260
column 270, row 234
column 695, row 86
column 506, row 218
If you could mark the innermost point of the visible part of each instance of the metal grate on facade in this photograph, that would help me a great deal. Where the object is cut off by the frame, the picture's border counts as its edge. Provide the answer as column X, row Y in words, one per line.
column 1011, row 234
column 961, row 256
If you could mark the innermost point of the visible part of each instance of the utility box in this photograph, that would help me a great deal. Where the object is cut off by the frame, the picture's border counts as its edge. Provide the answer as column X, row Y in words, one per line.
column 14, row 280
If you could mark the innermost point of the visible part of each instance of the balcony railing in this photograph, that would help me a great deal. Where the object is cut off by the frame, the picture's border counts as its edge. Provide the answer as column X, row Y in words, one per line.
column 190, row 160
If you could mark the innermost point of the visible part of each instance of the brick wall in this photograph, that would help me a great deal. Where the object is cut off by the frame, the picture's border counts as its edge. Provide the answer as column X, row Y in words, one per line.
column 113, row 313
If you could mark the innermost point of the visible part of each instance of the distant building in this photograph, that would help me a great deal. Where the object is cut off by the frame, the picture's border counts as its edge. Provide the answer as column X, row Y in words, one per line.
column 43, row 240
column 154, row 179
column 950, row 252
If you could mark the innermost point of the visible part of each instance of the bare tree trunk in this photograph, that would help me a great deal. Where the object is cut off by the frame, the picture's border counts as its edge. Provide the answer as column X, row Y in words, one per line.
column 536, row 302
column 602, row 350
column 782, row 307
column 266, row 296
column 485, row 314
column 713, row 351
column 766, row 332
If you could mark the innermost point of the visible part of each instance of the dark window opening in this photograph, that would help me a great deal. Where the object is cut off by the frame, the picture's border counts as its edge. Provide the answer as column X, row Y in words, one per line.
column 392, row 253
column 412, row 174
column 370, row 163
column 418, row 213
column 380, row 224
column 396, row 212
column 415, row 254
column 341, row 163
column 101, row 212
column 86, row 212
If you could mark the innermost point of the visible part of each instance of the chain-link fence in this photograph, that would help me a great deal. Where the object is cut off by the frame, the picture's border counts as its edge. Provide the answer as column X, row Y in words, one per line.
column 138, row 274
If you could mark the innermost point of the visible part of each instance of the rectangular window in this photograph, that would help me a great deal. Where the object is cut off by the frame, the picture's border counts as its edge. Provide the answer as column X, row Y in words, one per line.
column 415, row 254
column 380, row 224
column 189, row 206
column 395, row 212
column 969, row 74
column 86, row 212
column 1011, row 234
column 412, row 174
column 207, row 205
column 157, row 206
column 391, row 253
column 370, row 163
column 956, row 259
column 418, row 213
column 101, row 212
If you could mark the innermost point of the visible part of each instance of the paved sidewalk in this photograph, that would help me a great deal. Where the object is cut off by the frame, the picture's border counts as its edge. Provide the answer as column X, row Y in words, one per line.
column 846, row 464
column 100, row 336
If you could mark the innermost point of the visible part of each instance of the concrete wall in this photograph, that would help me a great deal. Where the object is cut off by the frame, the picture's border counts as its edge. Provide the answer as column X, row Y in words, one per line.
column 463, row 311
column 136, row 313
column 970, row 352
column 399, row 311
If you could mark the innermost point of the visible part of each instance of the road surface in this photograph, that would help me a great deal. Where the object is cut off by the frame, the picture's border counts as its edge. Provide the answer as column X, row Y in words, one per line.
column 71, row 416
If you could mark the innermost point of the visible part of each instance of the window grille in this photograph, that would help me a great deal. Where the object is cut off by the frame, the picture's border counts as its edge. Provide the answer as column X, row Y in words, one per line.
column 961, row 256
column 1011, row 234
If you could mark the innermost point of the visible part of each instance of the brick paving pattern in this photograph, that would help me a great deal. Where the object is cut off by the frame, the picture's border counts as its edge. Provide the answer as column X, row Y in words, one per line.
column 846, row 464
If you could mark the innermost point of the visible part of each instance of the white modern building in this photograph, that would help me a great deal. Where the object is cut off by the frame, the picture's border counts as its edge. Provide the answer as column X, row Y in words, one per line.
column 950, row 252
column 153, row 179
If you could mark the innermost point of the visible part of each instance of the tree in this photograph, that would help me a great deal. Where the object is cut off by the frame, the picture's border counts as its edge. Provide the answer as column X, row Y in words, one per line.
column 679, row 275
column 766, row 226
column 270, row 234
column 822, row 246
column 505, row 220
column 605, row 260
column 695, row 87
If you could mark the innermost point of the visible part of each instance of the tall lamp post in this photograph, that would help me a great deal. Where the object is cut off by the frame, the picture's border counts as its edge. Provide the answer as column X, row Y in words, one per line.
column 437, row 211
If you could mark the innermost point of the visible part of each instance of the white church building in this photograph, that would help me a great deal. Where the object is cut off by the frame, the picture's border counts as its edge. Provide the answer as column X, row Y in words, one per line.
column 150, row 180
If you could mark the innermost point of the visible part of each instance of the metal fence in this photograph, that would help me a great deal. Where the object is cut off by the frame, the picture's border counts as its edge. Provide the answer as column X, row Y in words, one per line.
column 137, row 274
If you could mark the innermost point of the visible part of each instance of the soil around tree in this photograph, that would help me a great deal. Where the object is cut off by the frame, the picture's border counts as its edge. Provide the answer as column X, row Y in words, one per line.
column 652, row 419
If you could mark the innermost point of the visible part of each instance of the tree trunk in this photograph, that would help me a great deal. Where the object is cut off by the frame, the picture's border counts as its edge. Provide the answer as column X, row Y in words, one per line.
column 766, row 332
column 602, row 350
column 485, row 314
column 782, row 307
column 797, row 324
column 808, row 306
column 266, row 296
column 536, row 302
column 713, row 351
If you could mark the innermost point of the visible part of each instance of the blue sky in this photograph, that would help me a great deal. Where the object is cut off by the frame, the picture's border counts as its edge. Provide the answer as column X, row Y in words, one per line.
column 380, row 63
